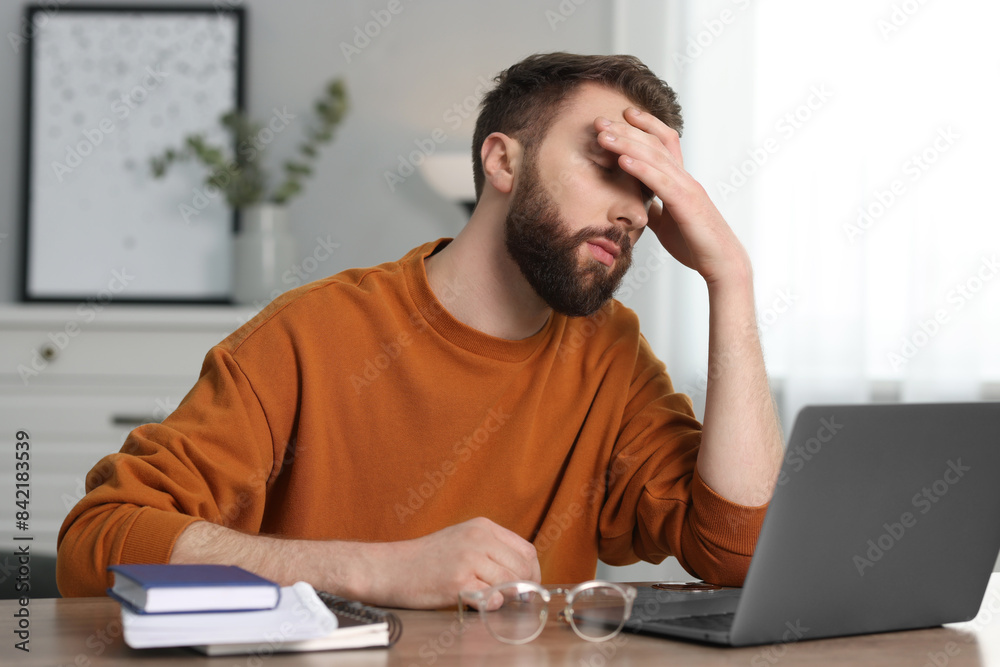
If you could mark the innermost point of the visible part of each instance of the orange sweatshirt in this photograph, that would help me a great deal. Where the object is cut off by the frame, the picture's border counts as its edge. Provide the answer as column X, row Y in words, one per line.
column 357, row 408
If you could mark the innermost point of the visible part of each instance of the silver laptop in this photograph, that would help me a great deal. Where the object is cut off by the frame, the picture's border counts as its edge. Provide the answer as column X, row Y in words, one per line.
column 885, row 517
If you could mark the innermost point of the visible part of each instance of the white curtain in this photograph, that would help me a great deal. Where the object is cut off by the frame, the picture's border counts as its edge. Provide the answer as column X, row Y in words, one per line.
column 853, row 146
column 798, row 114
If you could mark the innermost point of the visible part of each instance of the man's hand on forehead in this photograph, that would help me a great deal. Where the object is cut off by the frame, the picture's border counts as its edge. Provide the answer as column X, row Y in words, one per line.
column 646, row 147
column 687, row 224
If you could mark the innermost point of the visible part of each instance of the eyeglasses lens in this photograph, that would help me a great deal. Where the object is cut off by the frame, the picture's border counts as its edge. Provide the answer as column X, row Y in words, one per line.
column 599, row 612
column 521, row 617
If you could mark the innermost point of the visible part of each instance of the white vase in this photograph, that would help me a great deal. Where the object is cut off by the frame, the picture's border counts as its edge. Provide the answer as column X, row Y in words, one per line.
column 264, row 249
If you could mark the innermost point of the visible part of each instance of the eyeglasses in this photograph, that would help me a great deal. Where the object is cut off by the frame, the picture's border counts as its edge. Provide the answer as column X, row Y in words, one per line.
column 596, row 610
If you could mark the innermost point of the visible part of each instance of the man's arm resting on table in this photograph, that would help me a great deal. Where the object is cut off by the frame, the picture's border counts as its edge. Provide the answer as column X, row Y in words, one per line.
column 426, row 572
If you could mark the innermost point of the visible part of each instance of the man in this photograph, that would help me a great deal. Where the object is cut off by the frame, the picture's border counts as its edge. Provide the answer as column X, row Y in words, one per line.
column 479, row 411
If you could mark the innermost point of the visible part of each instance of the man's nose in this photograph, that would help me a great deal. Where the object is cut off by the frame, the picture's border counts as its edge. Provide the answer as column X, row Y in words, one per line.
column 630, row 209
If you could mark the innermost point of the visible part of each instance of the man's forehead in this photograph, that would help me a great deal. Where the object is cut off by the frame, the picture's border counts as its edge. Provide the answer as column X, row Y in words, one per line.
column 589, row 101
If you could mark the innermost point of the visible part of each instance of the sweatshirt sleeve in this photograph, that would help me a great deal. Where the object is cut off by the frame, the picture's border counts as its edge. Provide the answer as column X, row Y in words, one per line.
column 656, row 503
column 210, row 459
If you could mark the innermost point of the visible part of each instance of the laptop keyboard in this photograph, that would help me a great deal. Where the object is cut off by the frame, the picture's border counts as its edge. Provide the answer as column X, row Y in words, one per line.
column 723, row 622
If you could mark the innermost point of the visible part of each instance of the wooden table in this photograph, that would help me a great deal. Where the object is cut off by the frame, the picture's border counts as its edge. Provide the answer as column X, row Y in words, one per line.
column 87, row 631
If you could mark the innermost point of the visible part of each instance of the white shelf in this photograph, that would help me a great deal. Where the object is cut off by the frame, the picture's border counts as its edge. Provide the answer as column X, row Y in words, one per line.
column 96, row 316
column 79, row 394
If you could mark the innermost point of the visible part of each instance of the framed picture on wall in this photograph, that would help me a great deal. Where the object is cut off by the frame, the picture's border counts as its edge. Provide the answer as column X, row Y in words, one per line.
column 106, row 89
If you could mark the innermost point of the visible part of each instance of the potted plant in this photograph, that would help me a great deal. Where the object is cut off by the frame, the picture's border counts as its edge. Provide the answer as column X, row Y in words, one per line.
column 264, row 246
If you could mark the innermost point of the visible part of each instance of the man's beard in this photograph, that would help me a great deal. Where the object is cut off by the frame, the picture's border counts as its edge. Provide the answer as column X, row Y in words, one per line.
column 548, row 255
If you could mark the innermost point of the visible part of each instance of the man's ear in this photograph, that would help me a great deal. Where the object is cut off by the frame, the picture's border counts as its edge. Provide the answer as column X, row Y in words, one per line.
column 501, row 156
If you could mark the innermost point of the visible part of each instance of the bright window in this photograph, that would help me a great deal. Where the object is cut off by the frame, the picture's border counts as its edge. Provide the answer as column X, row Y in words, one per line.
column 855, row 148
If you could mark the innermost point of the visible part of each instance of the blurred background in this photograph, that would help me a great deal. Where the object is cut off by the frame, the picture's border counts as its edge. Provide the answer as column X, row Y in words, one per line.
column 851, row 145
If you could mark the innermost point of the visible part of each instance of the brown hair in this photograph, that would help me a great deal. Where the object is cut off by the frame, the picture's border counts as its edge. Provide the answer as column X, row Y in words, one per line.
column 529, row 94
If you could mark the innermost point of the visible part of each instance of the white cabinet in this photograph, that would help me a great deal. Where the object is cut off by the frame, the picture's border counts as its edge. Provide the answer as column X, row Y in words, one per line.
column 77, row 381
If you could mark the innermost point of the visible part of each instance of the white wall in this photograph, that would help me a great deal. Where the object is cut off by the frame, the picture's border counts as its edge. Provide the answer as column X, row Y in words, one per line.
column 429, row 57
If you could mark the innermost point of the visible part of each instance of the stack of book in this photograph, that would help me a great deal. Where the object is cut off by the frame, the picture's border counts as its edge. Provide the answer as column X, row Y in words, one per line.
column 225, row 610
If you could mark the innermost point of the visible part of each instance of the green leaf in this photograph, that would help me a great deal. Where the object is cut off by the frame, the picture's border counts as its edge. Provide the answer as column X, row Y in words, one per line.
column 243, row 174
column 297, row 168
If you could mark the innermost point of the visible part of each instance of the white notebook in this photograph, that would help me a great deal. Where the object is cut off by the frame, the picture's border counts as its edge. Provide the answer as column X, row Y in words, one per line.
column 300, row 615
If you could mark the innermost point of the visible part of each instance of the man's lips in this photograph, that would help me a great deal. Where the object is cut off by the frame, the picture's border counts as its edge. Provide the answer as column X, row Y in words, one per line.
column 603, row 250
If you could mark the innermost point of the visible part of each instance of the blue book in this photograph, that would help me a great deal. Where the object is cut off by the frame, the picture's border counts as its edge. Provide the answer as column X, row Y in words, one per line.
column 158, row 589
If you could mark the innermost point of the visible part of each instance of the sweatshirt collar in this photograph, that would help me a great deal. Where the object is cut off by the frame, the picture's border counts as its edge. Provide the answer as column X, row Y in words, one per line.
column 434, row 313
